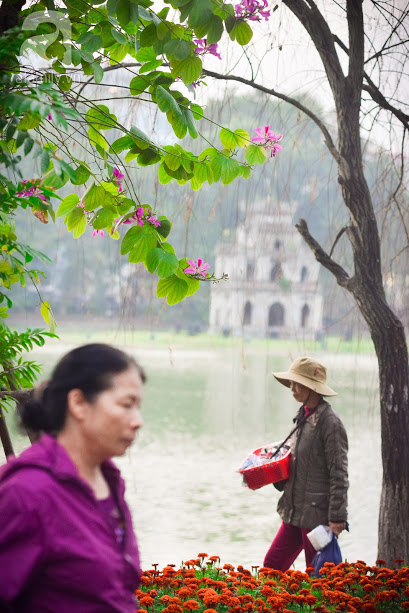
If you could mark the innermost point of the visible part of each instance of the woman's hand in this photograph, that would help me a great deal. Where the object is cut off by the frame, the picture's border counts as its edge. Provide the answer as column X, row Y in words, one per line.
column 337, row 527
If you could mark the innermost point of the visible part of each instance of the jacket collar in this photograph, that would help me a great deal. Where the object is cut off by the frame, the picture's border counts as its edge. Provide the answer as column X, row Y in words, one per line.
column 49, row 455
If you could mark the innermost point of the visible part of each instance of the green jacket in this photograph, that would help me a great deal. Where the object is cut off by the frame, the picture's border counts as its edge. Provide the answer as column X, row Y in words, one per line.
column 316, row 491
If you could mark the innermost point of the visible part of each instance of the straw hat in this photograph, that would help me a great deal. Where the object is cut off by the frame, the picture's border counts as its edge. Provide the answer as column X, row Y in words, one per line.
column 308, row 372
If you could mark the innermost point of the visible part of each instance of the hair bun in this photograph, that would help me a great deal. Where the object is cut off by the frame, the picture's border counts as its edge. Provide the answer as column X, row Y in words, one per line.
column 34, row 416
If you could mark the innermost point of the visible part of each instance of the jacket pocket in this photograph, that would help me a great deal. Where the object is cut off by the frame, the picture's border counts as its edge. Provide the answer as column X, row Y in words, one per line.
column 318, row 501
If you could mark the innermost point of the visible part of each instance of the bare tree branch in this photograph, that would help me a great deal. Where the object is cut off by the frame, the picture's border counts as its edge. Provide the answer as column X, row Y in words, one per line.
column 322, row 257
column 338, row 236
column 328, row 139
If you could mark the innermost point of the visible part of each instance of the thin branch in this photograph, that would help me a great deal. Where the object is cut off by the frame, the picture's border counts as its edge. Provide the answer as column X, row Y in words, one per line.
column 328, row 139
column 340, row 233
column 342, row 277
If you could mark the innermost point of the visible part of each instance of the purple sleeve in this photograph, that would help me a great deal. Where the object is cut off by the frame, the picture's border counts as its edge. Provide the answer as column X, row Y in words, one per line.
column 21, row 544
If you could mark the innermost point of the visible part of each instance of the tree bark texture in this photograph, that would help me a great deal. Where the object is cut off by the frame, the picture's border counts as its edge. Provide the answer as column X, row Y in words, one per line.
column 366, row 283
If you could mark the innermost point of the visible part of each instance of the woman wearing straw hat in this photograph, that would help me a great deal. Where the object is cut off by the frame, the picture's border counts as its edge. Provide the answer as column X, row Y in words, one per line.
column 316, row 491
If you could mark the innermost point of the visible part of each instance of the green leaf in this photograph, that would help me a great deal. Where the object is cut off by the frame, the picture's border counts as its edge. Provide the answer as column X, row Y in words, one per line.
column 45, row 161
column 48, row 316
column 93, row 198
column 200, row 13
column 80, row 227
column 148, row 36
column 166, row 101
column 140, row 250
column 197, row 111
column 165, row 226
column 245, row 172
column 81, row 175
column 126, row 11
column 190, row 123
column 214, row 30
column 64, row 83
column 125, row 142
column 138, row 85
column 174, row 288
column 163, row 176
column 164, row 263
column 130, row 239
column 28, row 145
column 255, row 154
column 148, row 157
column 100, row 118
column 94, row 43
column 189, row 70
column 177, row 49
column 231, row 140
column 241, row 32
column 97, row 139
column 98, row 71
column 103, row 219
column 119, row 37
column 225, row 167
column 192, row 285
column 74, row 218
column 29, row 121
column 68, row 204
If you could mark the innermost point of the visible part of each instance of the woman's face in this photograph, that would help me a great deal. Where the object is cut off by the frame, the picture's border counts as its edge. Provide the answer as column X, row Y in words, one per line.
column 300, row 392
column 110, row 422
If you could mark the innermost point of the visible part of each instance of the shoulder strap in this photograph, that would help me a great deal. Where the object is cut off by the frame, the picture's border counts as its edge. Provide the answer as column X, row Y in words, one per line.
column 299, row 424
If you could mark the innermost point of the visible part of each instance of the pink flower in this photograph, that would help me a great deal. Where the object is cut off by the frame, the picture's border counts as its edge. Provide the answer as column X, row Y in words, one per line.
column 154, row 220
column 98, row 233
column 33, row 190
column 50, row 117
column 268, row 139
column 136, row 217
column 202, row 47
column 253, row 10
column 196, row 268
column 118, row 177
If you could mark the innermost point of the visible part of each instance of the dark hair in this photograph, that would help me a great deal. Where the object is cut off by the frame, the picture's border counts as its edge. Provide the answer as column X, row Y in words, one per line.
column 89, row 368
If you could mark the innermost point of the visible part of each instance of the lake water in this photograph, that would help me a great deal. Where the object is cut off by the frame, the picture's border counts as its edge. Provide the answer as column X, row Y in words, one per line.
column 204, row 411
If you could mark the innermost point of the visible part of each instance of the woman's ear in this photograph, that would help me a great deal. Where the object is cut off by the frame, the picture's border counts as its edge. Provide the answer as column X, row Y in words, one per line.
column 77, row 404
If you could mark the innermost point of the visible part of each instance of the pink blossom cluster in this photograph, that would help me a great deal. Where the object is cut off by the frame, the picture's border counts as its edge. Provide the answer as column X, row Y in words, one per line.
column 118, row 176
column 140, row 216
column 253, row 10
column 202, row 48
column 32, row 190
column 268, row 139
column 196, row 267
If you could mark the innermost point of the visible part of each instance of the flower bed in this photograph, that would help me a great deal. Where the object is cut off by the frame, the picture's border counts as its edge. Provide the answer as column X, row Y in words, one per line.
column 203, row 585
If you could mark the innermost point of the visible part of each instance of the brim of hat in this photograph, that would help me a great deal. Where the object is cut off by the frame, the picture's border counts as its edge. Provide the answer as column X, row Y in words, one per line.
column 321, row 388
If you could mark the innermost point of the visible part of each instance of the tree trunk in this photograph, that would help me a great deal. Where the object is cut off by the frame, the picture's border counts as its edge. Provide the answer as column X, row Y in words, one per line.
column 366, row 285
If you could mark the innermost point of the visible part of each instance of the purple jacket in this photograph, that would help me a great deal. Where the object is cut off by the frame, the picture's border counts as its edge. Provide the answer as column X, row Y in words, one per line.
column 57, row 553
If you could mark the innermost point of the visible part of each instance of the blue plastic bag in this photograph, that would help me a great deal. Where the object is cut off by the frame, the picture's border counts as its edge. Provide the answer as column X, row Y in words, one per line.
column 330, row 553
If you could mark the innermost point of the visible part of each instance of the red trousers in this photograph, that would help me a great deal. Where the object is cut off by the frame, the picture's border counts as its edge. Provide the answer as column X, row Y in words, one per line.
column 288, row 543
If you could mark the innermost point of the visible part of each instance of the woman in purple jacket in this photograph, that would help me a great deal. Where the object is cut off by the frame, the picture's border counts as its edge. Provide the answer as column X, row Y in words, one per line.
column 66, row 537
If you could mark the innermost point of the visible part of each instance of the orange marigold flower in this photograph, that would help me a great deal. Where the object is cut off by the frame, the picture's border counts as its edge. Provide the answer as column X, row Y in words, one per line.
column 210, row 611
column 228, row 567
column 202, row 555
column 146, row 601
column 142, row 611
column 214, row 558
column 191, row 605
column 405, row 605
column 185, row 592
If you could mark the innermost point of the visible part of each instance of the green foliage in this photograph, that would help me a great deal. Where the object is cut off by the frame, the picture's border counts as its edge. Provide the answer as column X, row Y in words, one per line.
column 40, row 116
column 15, row 372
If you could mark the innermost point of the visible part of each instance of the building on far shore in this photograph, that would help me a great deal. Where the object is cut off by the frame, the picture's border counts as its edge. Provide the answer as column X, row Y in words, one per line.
column 273, row 288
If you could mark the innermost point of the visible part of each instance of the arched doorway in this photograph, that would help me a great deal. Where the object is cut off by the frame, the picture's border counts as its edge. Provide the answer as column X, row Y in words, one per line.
column 276, row 315
column 247, row 313
column 305, row 315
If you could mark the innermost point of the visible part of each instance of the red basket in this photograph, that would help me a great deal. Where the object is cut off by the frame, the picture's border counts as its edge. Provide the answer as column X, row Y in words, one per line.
column 270, row 472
